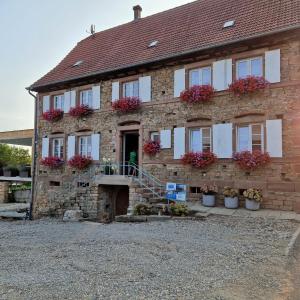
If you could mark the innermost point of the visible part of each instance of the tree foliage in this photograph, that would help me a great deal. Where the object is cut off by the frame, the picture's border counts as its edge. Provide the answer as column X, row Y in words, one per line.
column 14, row 156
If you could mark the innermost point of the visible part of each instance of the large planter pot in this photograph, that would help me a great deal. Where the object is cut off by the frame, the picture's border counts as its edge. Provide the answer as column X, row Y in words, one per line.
column 24, row 174
column 7, row 173
column 252, row 205
column 209, row 200
column 22, row 196
column 231, row 202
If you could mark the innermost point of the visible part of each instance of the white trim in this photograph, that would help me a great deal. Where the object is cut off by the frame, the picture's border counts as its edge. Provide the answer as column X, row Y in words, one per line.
column 179, row 82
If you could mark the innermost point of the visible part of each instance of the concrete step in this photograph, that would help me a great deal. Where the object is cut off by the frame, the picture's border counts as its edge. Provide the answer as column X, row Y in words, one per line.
column 12, row 215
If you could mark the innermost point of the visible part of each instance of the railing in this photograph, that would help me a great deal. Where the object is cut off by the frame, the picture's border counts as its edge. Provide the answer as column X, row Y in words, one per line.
column 140, row 175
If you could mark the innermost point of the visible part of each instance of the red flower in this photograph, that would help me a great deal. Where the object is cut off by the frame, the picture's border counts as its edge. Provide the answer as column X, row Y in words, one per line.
column 251, row 161
column 80, row 111
column 53, row 115
column 248, row 85
column 197, row 94
column 199, row 159
column 151, row 147
column 52, row 162
column 126, row 104
column 79, row 162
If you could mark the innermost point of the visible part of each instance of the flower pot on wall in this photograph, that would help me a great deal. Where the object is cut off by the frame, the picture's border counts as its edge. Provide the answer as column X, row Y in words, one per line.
column 7, row 173
column 209, row 200
column 252, row 205
column 231, row 202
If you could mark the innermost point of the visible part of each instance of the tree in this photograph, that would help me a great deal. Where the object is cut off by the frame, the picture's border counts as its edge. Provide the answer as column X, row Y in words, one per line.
column 14, row 156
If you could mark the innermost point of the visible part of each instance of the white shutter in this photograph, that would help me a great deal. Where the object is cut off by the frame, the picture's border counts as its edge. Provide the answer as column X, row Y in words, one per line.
column 179, row 142
column 96, row 146
column 222, row 74
column 46, row 103
column 115, row 94
column 96, row 97
column 165, row 139
column 67, row 102
column 179, row 82
column 145, row 88
column 71, row 146
column 272, row 66
column 274, row 137
column 45, row 147
column 222, row 140
column 73, row 98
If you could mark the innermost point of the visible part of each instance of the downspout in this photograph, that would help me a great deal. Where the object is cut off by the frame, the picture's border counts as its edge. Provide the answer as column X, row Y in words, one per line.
column 35, row 142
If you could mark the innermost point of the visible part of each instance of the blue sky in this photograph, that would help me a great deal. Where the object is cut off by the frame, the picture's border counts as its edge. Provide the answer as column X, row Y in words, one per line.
column 36, row 35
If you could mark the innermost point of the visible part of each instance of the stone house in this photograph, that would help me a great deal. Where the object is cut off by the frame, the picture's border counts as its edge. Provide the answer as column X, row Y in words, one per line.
column 155, row 58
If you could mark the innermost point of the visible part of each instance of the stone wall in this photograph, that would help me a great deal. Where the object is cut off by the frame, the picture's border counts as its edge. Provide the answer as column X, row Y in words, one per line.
column 4, row 186
column 279, row 181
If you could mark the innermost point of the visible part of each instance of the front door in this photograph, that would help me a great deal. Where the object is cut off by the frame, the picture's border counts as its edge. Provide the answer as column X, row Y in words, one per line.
column 122, row 201
column 130, row 150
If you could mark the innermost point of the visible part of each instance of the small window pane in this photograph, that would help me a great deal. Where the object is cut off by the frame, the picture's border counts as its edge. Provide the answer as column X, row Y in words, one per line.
column 86, row 98
column 256, row 67
column 243, row 138
column 206, row 76
column 155, row 136
column 194, row 77
column 195, row 142
column 131, row 89
column 243, row 69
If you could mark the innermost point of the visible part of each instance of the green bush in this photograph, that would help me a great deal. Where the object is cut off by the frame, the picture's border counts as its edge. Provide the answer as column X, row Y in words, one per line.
column 178, row 209
column 142, row 210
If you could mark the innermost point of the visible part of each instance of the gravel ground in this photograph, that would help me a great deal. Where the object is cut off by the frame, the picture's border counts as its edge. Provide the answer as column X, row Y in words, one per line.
column 219, row 258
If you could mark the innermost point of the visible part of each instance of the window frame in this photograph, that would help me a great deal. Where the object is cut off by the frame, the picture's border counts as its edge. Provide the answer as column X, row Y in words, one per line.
column 61, row 145
column 88, row 146
column 154, row 133
column 89, row 90
column 125, row 83
column 62, row 100
column 249, row 71
column 250, row 134
column 191, row 129
column 200, row 68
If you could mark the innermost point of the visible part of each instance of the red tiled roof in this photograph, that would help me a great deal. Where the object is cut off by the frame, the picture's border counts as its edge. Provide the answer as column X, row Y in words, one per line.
column 182, row 29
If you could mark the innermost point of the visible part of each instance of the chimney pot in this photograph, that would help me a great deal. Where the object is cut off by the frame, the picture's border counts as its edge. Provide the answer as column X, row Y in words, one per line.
column 137, row 12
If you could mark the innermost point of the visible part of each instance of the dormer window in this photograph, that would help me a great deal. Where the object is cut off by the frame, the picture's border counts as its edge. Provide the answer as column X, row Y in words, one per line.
column 249, row 67
column 58, row 102
column 131, row 89
column 201, row 76
column 86, row 98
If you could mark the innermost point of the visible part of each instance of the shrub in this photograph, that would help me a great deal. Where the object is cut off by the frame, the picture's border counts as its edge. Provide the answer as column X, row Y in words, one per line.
column 230, row 192
column 52, row 162
column 247, row 85
column 197, row 94
column 251, row 160
column 253, row 194
column 79, row 162
column 142, row 209
column 199, row 160
column 126, row 104
column 208, row 189
column 151, row 147
column 53, row 115
column 80, row 111
column 178, row 209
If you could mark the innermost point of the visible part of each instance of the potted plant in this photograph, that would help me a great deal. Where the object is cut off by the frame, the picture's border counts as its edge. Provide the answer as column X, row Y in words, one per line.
column 209, row 194
column 80, row 111
column 52, row 162
column 108, row 167
column 179, row 209
column 250, row 161
column 80, row 162
column 197, row 94
column 151, row 147
column 53, row 115
column 231, row 199
column 126, row 104
column 253, row 198
column 10, row 171
column 24, row 171
column 199, row 160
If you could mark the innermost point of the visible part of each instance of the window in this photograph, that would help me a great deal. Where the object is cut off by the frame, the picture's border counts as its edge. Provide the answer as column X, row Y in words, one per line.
column 200, row 139
column 58, row 102
column 154, row 136
column 200, row 76
column 58, row 147
column 250, row 137
column 131, row 89
column 85, row 146
column 86, row 98
column 249, row 67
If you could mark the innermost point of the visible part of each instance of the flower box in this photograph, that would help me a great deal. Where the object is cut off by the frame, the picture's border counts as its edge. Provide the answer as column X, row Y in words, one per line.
column 151, row 147
column 53, row 115
column 199, row 160
column 197, row 94
column 127, row 104
column 248, row 85
column 251, row 160
column 80, row 162
column 52, row 162
column 80, row 111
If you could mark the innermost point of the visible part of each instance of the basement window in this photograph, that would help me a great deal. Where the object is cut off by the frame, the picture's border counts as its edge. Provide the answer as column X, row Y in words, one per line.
column 81, row 184
column 229, row 23
column 195, row 190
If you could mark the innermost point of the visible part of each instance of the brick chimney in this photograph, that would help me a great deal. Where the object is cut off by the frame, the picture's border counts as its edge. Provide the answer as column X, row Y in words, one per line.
column 137, row 12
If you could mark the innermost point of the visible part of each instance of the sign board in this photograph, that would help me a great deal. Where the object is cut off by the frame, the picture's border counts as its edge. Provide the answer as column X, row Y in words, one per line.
column 176, row 192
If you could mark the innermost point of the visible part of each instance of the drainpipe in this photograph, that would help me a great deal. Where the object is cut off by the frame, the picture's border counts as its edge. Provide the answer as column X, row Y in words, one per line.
column 35, row 142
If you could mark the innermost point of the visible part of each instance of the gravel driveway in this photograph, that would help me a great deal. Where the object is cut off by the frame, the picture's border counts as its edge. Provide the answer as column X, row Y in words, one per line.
column 219, row 258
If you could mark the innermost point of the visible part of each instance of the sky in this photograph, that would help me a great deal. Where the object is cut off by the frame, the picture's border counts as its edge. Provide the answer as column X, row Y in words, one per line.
column 35, row 35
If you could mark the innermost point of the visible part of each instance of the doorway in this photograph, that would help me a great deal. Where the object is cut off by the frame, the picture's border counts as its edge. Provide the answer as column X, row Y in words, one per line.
column 122, row 201
column 130, row 145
